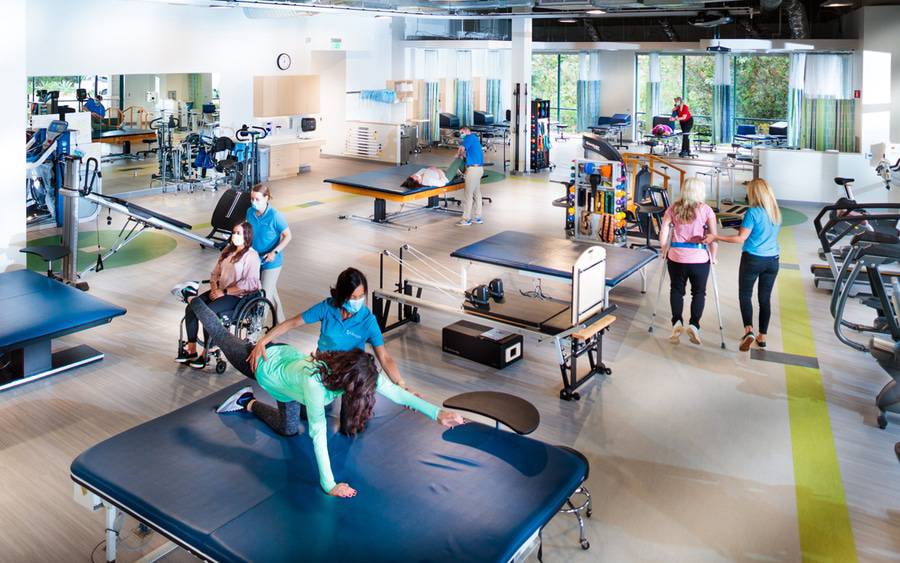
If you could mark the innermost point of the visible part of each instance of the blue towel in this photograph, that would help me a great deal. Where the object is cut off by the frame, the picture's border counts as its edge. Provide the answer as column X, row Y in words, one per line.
column 383, row 96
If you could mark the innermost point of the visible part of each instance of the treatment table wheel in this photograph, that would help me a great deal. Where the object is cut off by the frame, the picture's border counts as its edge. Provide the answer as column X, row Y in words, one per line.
column 585, row 544
column 567, row 395
column 221, row 366
column 882, row 421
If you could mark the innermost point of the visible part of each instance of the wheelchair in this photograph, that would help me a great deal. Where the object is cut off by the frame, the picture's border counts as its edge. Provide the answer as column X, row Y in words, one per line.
column 253, row 316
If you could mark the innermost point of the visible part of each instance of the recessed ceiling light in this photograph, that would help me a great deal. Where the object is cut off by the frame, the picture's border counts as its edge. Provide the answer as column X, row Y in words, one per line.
column 596, row 12
column 568, row 20
column 837, row 4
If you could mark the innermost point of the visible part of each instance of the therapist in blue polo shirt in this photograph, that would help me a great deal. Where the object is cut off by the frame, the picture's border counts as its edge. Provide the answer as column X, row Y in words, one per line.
column 95, row 105
column 470, row 149
column 270, row 237
column 345, row 324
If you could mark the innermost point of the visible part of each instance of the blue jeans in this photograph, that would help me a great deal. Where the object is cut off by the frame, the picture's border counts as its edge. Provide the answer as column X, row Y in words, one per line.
column 765, row 269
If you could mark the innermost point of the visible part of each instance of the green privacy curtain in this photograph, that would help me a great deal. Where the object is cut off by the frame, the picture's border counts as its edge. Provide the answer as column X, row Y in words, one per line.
column 723, row 108
column 494, row 85
column 828, row 119
column 795, row 98
column 588, row 91
column 431, row 110
column 195, row 90
column 464, row 108
column 655, row 79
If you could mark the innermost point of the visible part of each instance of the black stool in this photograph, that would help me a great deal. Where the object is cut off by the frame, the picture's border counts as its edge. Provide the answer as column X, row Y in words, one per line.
column 48, row 254
column 150, row 148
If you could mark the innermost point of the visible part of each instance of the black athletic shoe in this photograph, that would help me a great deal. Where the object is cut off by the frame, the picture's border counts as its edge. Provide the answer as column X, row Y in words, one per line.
column 198, row 363
column 185, row 357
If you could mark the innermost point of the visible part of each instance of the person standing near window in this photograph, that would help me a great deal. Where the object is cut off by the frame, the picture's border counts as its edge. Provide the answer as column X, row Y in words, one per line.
column 682, row 114
column 95, row 105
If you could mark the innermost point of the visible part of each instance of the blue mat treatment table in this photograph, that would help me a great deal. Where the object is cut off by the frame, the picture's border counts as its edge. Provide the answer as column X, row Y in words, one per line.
column 227, row 488
column 385, row 185
column 575, row 325
column 37, row 309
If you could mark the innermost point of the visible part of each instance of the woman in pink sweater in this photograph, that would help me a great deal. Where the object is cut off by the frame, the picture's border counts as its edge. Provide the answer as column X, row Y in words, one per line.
column 235, row 274
column 683, row 227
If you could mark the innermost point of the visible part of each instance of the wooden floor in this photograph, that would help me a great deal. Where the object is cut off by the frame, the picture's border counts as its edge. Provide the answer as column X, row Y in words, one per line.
column 690, row 448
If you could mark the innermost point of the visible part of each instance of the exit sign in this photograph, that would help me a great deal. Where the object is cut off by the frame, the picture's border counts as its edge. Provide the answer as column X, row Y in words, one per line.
column 335, row 42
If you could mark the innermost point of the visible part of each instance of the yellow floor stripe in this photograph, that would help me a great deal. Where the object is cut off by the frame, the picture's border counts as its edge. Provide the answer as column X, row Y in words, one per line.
column 824, row 521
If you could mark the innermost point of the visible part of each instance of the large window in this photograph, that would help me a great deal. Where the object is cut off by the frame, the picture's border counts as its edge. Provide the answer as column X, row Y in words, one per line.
column 760, row 88
column 554, row 77
column 67, row 86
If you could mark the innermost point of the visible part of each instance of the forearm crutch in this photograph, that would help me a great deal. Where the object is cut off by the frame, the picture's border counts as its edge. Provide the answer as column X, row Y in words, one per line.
column 712, row 270
column 664, row 252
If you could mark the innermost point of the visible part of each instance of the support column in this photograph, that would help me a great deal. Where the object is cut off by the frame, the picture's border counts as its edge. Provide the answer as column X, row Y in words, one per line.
column 12, row 140
column 520, row 74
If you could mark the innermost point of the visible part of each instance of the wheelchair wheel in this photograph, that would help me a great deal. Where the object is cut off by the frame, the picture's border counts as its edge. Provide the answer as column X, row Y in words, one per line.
column 220, row 367
column 254, row 319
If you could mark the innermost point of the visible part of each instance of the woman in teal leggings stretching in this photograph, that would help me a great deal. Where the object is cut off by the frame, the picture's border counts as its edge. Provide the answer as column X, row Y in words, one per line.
column 294, row 379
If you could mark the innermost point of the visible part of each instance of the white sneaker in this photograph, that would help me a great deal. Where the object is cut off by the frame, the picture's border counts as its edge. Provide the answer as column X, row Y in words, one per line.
column 477, row 221
column 464, row 223
column 694, row 334
column 231, row 403
column 677, row 329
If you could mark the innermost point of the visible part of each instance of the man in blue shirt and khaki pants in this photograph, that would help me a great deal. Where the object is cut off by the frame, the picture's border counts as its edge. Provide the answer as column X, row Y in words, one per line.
column 470, row 149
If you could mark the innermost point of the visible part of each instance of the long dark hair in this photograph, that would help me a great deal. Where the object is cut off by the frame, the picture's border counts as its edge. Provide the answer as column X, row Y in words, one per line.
column 347, row 282
column 356, row 374
column 238, row 253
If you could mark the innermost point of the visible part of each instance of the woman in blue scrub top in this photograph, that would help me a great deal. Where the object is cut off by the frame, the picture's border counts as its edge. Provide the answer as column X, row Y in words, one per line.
column 346, row 324
column 271, row 235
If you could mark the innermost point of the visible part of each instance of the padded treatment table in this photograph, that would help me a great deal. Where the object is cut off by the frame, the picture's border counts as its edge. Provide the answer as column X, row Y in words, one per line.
column 386, row 185
column 228, row 488
column 37, row 309
column 124, row 136
column 552, row 257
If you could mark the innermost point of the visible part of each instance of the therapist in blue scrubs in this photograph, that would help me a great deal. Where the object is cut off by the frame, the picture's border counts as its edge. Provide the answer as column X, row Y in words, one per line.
column 470, row 149
column 95, row 105
column 271, row 235
column 345, row 324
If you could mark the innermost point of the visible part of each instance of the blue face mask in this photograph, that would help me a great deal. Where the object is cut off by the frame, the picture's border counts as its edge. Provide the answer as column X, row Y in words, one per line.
column 259, row 205
column 354, row 305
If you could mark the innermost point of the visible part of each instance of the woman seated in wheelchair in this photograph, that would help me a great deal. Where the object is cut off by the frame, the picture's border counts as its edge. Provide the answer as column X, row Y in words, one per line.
column 235, row 274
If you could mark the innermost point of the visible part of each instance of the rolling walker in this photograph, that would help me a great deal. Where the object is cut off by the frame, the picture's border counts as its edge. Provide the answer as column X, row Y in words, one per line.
column 712, row 270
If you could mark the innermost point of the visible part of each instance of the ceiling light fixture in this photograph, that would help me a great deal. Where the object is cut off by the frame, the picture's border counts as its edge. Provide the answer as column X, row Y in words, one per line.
column 568, row 20
column 596, row 12
column 837, row 4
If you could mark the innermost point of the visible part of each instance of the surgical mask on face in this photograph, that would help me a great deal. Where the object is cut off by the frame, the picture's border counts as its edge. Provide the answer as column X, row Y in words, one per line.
column 237, row 240
column 354, row 305
column 259, row 205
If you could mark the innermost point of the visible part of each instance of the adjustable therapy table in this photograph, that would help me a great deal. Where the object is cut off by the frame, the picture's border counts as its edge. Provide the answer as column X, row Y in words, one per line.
column 386, row 185
column 542, row 318
column 37, row 309
column 227, row 488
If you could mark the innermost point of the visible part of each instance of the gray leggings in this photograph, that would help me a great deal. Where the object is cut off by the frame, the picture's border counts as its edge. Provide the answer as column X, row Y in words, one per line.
column 286, row 418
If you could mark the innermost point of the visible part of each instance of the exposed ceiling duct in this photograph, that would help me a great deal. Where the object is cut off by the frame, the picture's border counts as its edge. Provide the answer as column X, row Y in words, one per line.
column 591, row 30
column 710, row 20
column 749, row 28
column 769, row 5
column 796, row 17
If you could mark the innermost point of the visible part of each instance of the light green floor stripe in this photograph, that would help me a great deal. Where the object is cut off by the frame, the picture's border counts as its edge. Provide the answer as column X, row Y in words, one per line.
column 824, row 521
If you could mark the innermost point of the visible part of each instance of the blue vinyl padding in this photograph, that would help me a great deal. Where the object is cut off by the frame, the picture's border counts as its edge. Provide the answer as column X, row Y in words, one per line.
column 36, row 307
column 551, row 256
column 233, row 490
column 387, row 180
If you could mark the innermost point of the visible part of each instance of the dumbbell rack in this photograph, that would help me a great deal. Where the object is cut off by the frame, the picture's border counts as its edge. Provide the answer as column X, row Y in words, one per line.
column 597, row 201
column 540, row 135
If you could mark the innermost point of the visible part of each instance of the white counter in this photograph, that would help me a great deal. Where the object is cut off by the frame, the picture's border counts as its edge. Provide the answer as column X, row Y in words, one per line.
column 808, row 176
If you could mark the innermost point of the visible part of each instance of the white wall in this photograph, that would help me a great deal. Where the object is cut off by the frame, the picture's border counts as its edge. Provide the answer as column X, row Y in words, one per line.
column 331, row 66
column 880, row 44
column 12, row 139
column 196, row 39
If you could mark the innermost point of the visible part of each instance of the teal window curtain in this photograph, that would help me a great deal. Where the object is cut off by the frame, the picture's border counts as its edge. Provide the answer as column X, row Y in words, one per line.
column 655, row 79
column 795, row 98
column 494, row 85
column 431, row 110
column 588, row 91
column 723, row 102
column 494, row 103
column 828, row 119
column 195, row 90
column 464, row 106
